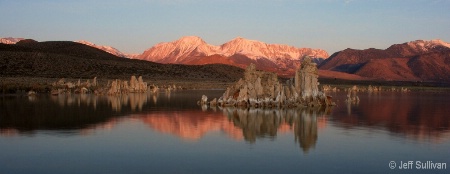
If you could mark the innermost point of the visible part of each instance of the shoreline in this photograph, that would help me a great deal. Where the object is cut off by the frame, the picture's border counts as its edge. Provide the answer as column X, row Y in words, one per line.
column 21, row 85
column 18, row 85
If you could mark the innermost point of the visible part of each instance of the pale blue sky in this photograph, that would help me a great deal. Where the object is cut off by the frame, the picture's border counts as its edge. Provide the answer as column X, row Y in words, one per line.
column 133, row 26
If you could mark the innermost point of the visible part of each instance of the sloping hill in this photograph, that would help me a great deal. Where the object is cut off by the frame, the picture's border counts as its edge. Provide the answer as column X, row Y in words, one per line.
column 59, row 59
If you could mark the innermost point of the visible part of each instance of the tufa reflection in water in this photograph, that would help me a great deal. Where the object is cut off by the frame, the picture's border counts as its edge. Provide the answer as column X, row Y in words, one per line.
column 262, row 123
column 239, row 123
column 133, row 101
column 66, row 112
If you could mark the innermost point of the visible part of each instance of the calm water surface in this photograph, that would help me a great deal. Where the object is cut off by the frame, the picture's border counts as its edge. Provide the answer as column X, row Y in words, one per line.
column 169, row 133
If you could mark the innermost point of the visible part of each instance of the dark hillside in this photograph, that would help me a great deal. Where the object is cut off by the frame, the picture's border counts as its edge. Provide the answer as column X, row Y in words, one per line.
column 61, row 59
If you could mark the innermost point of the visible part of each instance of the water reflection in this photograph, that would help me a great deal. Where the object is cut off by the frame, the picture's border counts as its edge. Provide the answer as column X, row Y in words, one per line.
column 189, row 125
column 134, row 101
column 306, row 127
column 65, row 112
column 417, row 116
column 421, row 116
column 265, row 123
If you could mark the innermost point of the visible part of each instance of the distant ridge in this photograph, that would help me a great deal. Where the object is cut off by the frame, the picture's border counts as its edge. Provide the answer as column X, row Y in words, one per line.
column 411, row 61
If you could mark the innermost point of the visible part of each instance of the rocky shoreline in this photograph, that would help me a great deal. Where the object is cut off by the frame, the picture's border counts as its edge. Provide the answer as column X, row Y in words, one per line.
column 22, row 85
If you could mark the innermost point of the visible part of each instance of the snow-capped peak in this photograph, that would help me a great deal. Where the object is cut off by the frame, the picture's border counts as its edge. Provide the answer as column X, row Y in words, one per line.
column 426, row 45
column 241, row 39
column 191, row 40
column 251, row 48
column 10, row 40
column 440, row 42
column 256, row 49
column 108, row 49
column 184, row 41
column 184, row 47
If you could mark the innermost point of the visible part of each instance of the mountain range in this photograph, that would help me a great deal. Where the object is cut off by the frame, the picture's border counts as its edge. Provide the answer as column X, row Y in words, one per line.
column 240, row 52
column 411, row 61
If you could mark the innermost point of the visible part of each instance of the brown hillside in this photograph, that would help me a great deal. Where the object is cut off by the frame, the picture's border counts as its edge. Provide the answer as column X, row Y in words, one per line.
column 350, row 60
column 413, row 61
column 387, row 69
column 326, row 74
column 433, row 66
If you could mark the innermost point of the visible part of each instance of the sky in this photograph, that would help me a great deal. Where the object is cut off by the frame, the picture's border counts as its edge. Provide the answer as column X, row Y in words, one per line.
column 132, row 26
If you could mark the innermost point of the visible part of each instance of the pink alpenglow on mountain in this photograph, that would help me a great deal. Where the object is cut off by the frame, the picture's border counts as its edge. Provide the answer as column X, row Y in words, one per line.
column 108, row 49
column 10, row 40
column 179, row 50
column 192, row 50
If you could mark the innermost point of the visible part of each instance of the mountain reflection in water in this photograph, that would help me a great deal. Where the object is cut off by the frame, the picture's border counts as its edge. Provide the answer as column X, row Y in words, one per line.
column 420, row 116
column 238, row 123
column 417, row 116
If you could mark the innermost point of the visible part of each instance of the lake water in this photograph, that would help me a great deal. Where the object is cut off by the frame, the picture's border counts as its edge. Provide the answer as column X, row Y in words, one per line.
column 169, row 133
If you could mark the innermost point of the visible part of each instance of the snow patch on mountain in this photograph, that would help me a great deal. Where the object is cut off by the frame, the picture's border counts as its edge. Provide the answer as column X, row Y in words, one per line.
column 181, row 48
column 426, row 45
column 108, row 49
column 10, row 40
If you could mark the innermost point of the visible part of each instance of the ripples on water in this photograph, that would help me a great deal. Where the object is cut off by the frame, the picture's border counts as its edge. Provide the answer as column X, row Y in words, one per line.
column 382, row 120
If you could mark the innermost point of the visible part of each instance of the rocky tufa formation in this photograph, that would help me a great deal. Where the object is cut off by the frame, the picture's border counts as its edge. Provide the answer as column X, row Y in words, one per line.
column 262, row 89
column 352, row 95
column 120, row 87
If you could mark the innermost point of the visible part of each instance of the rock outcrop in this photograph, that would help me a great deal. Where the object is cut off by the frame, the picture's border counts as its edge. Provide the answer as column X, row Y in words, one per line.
column 263, row 89
column 114, row 87
column 306, row 80
column 204, row 100
column 120, row 87
column 137, row 85
column 352, row 96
